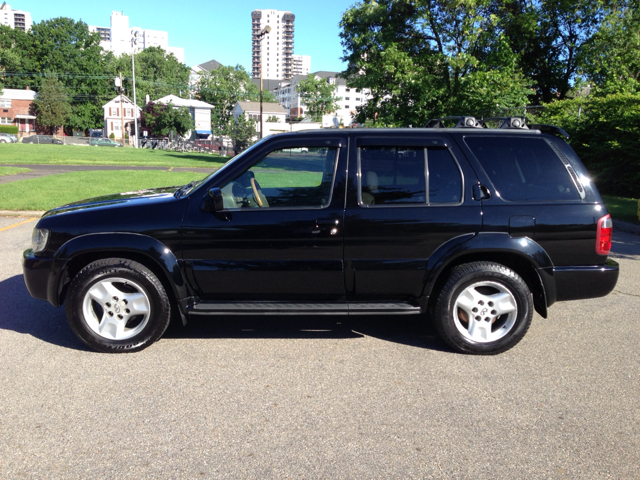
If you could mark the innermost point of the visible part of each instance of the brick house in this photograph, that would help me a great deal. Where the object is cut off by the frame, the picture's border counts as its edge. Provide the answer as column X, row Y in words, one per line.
column 16, row 108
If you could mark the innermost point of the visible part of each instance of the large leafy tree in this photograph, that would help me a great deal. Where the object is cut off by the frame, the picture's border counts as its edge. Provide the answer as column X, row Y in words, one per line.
column 318, row 95
column 429, row 58
column 157, row 74
column 222, row 88
column 159, row 119
column 242, row 132
column 52, row 105
column 551, row 39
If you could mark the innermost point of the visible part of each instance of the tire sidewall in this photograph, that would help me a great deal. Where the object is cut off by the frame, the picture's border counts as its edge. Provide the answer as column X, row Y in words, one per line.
column 518, row 290
column 159, row 308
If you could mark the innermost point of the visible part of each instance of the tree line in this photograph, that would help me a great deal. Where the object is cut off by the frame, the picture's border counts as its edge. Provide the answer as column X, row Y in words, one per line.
column 579, row 59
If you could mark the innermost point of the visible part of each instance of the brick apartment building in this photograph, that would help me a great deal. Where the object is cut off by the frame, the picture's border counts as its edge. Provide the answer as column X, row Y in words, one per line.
column 17, row 108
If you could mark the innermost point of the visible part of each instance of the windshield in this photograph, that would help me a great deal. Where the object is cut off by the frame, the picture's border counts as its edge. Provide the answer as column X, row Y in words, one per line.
column 197, row 183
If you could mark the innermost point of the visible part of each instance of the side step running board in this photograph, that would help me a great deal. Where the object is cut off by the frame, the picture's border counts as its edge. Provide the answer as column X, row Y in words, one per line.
column 286, row 308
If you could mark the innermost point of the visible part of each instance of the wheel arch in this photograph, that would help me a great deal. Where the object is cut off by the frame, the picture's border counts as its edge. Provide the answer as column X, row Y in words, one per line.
column 80, row 251
column 521, row 254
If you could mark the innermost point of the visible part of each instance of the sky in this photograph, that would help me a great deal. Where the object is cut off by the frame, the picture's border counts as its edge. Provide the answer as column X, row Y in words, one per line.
column 213, row 30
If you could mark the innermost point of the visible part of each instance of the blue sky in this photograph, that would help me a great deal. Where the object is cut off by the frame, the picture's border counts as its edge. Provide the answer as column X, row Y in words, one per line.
column 219, row 30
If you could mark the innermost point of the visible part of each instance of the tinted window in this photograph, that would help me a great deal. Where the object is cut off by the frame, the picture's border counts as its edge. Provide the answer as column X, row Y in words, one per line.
column 392, row 175
column 445, row 181
column 523, row 169
column 292, row 177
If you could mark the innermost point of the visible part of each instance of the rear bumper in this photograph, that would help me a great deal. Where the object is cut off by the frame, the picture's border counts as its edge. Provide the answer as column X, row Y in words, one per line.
column 580, row 282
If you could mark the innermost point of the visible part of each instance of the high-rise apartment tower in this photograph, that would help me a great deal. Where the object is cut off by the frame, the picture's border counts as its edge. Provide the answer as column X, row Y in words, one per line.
column 275, row 50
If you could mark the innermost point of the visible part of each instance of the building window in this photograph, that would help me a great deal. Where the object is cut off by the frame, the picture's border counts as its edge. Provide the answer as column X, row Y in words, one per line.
column 5, row 120
column 5, row 102
column 346, row 106
column 346, row 98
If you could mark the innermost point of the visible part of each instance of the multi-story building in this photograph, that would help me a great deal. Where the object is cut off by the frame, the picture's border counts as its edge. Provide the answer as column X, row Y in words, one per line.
column 301, row 64
column 349, row 98
column 274, row 53
column 15, row 18
column 117, row 38
column 16, row 108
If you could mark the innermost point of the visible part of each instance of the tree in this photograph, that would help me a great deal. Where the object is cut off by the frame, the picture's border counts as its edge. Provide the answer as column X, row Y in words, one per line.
column 222, row 88
column 52, row 104
column 318, row 95
column 551, row 39
column 612, row 59
column 242, row 132
column 430, row 58
column 158, row 74
column 159, row 119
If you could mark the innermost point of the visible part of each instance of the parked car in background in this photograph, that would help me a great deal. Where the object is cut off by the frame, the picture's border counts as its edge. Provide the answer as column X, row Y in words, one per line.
column 42, row 139
column 103, row 142
column 7, row 138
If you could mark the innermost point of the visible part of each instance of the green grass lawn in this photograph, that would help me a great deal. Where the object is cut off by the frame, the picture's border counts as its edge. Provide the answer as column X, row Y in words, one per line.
column 31, row 154
column 621, row 208
column 44, row 193
column 12, row 170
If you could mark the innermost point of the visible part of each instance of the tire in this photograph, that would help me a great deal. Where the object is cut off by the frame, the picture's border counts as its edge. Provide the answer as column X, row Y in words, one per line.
column 117, row 305
column 483, row 308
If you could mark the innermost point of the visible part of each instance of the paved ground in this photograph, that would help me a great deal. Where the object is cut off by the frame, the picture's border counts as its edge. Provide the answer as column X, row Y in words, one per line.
column 43, row 170
column 320, row 398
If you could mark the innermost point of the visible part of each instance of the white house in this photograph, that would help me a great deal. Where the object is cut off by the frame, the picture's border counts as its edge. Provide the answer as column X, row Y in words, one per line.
column 200, row 112
column 115, row 114
column 274, row 116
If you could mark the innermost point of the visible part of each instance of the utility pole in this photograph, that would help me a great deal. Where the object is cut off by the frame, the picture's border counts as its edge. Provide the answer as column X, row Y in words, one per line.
column 121, row 110
column 261, row 35
column 134, row 40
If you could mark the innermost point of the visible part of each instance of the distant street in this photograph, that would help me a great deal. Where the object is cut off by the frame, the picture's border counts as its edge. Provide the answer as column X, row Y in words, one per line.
column 326, row 398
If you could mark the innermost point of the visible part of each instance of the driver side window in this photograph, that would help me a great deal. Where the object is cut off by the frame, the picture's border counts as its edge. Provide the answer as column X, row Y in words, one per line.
column 290, row 178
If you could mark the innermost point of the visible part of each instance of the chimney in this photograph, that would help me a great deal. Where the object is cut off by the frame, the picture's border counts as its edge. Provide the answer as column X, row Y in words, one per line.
column 27, row 87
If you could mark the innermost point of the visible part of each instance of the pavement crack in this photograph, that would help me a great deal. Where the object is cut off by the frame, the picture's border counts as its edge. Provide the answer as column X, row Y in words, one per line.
column 625, row 293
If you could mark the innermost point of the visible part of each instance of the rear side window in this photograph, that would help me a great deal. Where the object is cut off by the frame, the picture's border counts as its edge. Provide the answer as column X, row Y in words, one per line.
column 523, row 169
column 408, row 175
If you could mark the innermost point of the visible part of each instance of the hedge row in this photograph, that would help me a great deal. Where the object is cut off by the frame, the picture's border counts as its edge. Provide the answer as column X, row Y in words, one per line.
column 13, row 129
column 605, row 133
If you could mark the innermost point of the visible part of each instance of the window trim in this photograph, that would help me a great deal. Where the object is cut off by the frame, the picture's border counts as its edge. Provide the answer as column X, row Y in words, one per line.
column 426, row 173
column 270, row 209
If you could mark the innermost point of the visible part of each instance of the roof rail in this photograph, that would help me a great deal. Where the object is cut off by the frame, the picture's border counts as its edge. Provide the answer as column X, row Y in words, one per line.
column 509, row 122
column 552, row 129
column 462, row 122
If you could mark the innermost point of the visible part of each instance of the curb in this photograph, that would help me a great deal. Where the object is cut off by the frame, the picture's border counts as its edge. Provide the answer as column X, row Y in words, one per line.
column 21, row 213
column 626, row 227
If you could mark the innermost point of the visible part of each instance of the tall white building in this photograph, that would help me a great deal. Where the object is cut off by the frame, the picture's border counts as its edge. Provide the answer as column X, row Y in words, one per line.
column 301, row 64
column 15, row 18
column 117, row 38
column 275, row 50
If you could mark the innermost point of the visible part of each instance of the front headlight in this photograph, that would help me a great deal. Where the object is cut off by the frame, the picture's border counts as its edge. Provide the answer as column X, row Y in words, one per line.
column 39, row 239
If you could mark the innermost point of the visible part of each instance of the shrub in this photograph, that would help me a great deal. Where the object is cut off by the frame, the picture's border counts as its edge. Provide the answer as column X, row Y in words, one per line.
column 112, row 136
column 12, row 129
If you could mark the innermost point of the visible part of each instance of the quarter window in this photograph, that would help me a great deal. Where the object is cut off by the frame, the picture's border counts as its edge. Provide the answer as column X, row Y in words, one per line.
column 291, row 178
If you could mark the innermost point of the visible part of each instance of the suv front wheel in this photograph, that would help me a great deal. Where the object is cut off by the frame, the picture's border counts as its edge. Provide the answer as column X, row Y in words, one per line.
column 484, row 308
column 117, row 305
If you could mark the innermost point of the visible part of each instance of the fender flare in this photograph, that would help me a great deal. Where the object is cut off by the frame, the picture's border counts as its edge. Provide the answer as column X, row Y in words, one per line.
column 495, row 243
column 116, row 243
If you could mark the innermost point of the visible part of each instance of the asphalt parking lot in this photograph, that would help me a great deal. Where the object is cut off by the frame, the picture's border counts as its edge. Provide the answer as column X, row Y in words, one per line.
column 373, row 397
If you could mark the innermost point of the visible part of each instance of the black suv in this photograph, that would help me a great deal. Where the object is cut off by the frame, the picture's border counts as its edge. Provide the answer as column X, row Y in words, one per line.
column 472, row 227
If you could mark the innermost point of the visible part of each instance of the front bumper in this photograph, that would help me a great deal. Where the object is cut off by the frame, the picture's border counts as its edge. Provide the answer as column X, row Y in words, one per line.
column 36, row 272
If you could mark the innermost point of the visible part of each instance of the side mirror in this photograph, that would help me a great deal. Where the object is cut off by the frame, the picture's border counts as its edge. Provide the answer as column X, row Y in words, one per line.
column 215, row 199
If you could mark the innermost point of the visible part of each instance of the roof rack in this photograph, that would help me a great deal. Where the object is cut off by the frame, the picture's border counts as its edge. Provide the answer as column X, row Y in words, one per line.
column 509, row 122
column 463, row 122
column 552, row 129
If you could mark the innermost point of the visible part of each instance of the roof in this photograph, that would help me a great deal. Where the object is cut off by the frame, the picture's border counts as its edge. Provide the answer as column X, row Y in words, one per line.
column 117, row 97
column 210, row 65
column 268, row 84
column 15, row 94
column 184, row 102
column 266, row 107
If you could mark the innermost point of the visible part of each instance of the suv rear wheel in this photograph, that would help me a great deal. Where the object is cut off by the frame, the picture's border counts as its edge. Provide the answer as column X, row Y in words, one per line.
column 117, row 305
column 484, row 308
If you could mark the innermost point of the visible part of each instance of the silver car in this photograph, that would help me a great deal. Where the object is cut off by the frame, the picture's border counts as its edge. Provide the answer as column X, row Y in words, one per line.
column 7, row 138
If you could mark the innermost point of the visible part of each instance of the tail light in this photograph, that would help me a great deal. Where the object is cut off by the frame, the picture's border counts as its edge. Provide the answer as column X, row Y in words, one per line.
column 604, row 234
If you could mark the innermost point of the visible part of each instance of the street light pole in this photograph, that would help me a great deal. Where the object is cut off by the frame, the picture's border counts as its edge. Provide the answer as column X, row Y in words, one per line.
column 261, row 35
column 134, row 40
